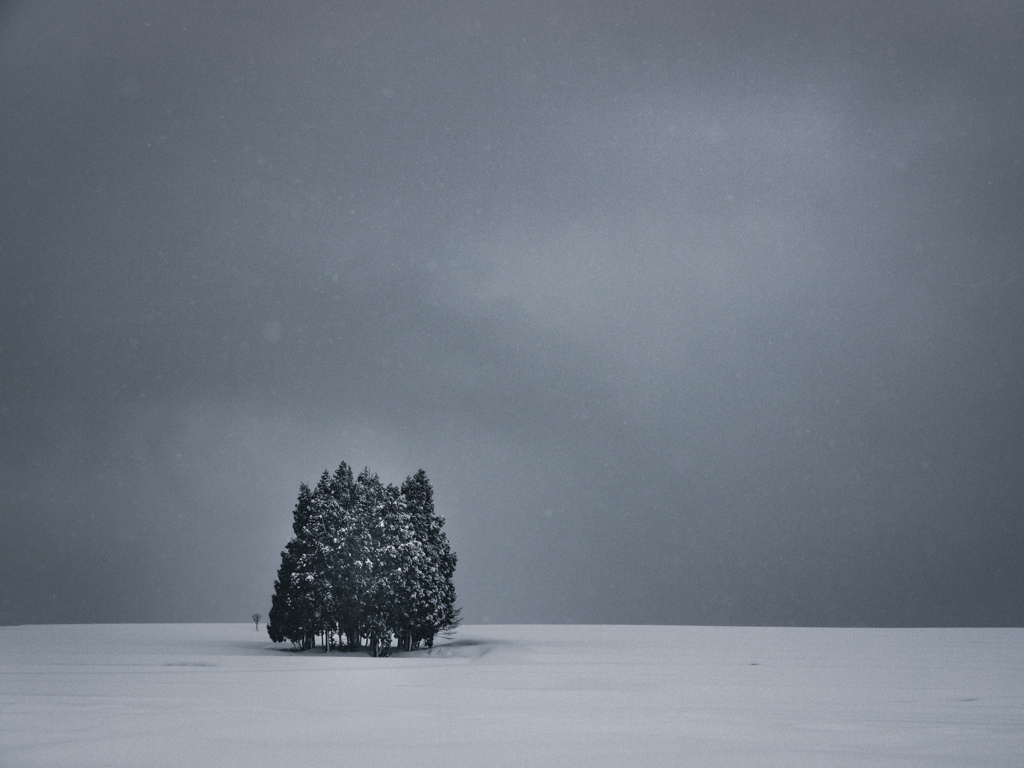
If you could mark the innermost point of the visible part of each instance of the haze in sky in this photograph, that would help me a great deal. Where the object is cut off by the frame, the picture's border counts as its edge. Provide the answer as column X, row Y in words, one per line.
column 693, row 312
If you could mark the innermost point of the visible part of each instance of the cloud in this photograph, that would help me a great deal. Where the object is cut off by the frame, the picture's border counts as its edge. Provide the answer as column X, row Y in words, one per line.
column 689, row 311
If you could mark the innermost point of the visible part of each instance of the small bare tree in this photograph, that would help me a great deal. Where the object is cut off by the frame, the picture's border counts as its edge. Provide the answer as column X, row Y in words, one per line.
column 256, row 617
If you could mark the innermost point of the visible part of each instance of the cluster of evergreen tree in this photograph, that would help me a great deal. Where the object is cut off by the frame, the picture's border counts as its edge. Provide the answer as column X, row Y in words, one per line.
column 369, row 562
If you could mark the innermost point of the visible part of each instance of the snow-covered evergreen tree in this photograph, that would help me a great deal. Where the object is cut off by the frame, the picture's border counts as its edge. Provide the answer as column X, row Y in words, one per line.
column 436, row 609
column 292, row 606
column 366, row 561
column 349, row 543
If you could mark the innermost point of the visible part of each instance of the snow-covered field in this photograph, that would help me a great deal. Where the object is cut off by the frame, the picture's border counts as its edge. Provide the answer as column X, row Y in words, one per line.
column 223, row 695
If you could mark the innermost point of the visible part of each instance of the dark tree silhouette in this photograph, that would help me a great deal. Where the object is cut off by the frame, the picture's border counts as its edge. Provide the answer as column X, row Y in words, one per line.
column 434, row 609
column 367, row 561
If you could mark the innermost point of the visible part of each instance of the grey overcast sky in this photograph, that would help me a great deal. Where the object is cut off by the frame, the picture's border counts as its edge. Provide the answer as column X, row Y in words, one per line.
column 693, row 312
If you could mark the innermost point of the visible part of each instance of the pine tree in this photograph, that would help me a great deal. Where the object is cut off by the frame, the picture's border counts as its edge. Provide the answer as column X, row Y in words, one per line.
column 280, row 620
column 436, row 610
column 380, row 510
column 348, row 547
column 403, row 556
column 291, row 613
column 320, row 563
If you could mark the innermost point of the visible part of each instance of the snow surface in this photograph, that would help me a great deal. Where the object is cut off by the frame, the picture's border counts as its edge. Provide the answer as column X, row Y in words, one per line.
column 223, row 695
